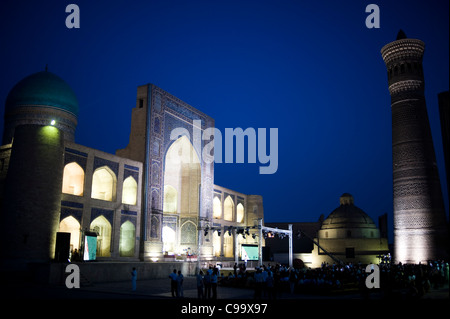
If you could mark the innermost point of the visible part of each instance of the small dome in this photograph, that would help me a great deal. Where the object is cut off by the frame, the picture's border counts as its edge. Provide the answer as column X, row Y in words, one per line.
column 347, row 215
column 42, row 89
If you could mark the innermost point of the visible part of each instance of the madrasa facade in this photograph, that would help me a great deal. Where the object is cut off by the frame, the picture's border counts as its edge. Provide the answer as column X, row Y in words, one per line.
column 153, row 200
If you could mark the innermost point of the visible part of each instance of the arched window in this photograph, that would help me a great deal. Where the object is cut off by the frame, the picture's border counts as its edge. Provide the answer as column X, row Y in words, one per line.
column 73, row 179
column 104, row 184
column 72, row 226
column 228, row 207
column 217, row 244
column 127, row 239
column 170, row 200
column 240, row 213
column 228, row 244
column 217, row 208
column 188, row 233
column 103, row 229
column 129, row 192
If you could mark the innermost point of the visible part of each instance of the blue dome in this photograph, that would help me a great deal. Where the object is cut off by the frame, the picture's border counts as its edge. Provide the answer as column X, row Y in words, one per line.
column 42, row 89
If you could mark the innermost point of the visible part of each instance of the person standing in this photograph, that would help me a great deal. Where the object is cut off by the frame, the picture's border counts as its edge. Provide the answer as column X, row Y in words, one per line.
column 200, row 285
column 214, row 279
column 133, row 279
column 180, row 279
column 173, row 283
column 207, row 281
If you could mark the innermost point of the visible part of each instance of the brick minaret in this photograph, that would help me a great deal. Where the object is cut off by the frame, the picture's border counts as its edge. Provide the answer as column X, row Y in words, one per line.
column 420, row 229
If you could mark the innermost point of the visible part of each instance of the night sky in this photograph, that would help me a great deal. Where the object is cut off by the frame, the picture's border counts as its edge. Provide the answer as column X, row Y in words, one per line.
column 312, row 69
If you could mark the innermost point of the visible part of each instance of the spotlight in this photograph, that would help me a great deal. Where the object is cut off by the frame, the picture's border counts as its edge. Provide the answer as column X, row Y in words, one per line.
column 247, row 230
column 253, row 236
column 229, row 230
column 53, row 122
column 219, row 232
column 206, row 231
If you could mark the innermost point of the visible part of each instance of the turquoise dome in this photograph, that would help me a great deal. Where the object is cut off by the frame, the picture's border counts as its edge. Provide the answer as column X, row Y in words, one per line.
column 42, row 89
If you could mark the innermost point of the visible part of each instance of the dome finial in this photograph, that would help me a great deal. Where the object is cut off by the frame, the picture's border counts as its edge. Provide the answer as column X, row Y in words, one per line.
column 401, row 35
column 346, row 199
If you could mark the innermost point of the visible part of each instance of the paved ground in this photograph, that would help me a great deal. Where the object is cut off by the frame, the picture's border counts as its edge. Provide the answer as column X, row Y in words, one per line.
column 160, row 289
column 153, row 296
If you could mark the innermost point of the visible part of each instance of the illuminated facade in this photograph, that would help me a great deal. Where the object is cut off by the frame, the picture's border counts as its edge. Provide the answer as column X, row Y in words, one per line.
column 348, row 234
column 185, row 213
column 420, row 226
column 156, row 198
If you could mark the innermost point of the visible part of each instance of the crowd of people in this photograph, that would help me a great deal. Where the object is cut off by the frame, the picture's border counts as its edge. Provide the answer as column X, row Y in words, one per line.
column 207, row 283
column 270, row 281
column 408, row 280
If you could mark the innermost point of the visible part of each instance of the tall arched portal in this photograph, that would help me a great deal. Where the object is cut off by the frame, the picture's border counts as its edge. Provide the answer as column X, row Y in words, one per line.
column 182, row 179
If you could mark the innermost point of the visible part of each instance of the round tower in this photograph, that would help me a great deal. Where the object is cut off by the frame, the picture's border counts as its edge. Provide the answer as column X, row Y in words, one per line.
column 32, row 196
column 419, row 217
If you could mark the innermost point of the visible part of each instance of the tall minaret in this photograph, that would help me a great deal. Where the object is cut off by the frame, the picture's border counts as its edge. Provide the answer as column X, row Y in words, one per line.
column 420, row 225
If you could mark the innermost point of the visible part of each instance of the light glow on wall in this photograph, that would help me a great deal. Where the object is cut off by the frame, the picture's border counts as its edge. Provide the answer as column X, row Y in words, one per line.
column 127, row 239
column 411, row 245
column 217, row 208
column 170, row 199
column 168, row 237
column 103, row 184
column 129, row 192
column 240, row 213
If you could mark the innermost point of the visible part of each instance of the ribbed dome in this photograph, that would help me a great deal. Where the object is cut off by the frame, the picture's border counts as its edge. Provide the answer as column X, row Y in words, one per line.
column 42, row 98
column 347, row 215
column 42, row 89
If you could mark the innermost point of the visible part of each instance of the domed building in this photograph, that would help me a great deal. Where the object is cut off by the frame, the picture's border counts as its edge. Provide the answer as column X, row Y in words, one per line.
column 349, row 235
column 139, row 204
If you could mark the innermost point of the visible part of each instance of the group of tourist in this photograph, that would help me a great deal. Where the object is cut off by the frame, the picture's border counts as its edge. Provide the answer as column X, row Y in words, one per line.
column 207, row 283
column 176, row 283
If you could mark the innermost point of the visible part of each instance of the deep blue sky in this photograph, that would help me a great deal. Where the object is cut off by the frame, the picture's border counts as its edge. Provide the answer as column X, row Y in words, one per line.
column 309, row 68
